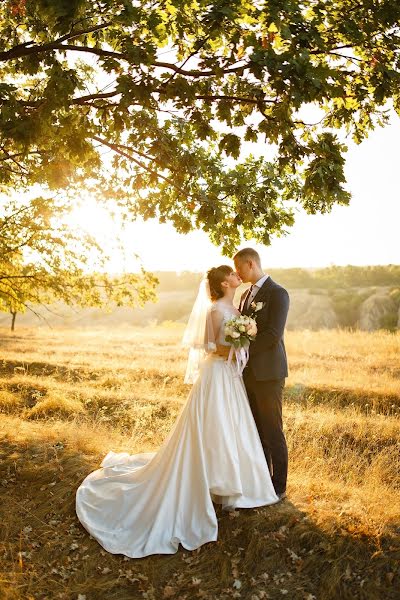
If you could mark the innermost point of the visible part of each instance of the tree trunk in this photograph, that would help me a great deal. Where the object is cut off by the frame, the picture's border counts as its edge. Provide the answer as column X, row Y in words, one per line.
column 13, row 314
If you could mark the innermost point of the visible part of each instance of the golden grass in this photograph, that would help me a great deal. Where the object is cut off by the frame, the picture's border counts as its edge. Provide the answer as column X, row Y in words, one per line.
column 361, row 362
column 9, row 402
column 54, row 405
column 68, row 397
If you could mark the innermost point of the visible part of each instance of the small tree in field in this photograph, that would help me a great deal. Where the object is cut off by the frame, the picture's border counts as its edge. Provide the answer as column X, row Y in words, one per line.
column 41, row 263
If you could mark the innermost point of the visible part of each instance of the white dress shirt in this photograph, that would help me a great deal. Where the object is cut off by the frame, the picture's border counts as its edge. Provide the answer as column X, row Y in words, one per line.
column 256, row 287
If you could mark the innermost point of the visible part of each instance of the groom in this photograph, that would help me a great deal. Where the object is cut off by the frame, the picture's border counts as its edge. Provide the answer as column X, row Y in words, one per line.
column 264, row 375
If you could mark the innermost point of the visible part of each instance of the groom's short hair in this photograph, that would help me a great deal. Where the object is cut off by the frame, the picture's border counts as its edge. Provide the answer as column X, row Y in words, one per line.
column 248, row 254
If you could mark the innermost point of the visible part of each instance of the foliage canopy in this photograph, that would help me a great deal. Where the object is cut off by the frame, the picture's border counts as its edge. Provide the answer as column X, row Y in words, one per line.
column 174, row 90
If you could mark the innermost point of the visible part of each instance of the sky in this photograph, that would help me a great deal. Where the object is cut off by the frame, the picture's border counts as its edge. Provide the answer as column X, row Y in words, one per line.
column 364, row 233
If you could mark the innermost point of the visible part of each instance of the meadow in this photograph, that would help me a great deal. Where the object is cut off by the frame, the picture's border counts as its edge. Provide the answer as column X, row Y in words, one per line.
column 67, row 397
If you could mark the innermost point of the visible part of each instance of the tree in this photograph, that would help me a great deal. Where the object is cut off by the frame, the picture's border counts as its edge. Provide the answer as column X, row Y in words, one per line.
column 173, row 88
column 41, row 263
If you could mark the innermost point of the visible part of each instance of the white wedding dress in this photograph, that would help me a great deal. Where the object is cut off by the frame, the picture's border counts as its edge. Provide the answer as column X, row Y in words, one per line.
column 144, row 504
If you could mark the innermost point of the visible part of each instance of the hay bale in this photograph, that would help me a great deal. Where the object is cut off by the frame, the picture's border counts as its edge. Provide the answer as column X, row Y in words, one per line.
column 377, row 309
column 311, row 311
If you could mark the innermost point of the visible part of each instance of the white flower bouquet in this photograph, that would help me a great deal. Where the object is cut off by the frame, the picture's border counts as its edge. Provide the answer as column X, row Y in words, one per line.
column 240, row 331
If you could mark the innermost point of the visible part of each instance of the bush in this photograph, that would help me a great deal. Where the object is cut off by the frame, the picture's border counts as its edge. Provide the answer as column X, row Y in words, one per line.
column 346, row 305
column 389, row 321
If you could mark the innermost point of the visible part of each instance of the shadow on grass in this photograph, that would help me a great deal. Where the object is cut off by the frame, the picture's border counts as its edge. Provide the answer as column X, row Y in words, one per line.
column 45, row 369
column 366, row 401
column 270, row 552
column 8, row 342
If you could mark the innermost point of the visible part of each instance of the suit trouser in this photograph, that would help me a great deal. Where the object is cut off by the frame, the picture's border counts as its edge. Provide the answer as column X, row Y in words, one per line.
column 265, row 399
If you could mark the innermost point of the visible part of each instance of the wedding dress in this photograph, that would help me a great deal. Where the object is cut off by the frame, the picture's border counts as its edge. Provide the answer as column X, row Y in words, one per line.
column 145, row 504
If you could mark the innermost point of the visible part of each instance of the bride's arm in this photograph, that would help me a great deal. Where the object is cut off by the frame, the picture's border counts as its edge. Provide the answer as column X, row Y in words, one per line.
column 217, row 319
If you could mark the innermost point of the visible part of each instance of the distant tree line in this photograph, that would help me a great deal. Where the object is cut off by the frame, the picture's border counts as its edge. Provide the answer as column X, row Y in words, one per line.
column 170, row 281
column 338, row 277
column 327, row 278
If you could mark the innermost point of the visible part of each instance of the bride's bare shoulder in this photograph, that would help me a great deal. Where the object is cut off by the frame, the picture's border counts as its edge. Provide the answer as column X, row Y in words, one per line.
column 224, row 308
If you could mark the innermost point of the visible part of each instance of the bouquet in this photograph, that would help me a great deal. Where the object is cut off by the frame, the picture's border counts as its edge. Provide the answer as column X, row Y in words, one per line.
column 240, row 331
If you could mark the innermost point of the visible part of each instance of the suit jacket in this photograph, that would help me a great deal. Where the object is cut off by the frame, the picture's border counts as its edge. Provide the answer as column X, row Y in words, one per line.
column 267, row 354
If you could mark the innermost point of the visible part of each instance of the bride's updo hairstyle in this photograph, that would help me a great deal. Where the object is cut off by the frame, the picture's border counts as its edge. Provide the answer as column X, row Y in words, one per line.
column 215, row 277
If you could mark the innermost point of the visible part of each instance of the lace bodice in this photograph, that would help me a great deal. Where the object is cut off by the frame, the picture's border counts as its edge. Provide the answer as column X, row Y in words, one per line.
column 226, row 312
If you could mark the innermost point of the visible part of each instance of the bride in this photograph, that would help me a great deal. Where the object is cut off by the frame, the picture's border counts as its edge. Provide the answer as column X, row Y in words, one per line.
column 144, row 504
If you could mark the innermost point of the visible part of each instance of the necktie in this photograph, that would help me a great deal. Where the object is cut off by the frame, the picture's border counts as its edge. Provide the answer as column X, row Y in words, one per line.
column 247, row 303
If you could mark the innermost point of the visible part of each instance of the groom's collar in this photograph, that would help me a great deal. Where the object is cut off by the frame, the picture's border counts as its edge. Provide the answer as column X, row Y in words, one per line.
column 266, row 282
column 261, row 281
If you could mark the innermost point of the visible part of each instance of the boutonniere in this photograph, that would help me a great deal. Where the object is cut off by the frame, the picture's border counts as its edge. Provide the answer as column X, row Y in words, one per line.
column 257, row 306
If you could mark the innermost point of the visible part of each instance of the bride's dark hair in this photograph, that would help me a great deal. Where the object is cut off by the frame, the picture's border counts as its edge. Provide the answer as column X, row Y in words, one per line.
column 215, row 277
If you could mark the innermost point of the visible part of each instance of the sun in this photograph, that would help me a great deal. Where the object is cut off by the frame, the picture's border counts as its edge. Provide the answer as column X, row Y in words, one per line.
column 135, row 243
column 106, row 227
column 92, row 218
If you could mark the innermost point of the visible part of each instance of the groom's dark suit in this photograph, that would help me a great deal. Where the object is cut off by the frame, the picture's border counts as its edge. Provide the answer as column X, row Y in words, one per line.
column 264, row 376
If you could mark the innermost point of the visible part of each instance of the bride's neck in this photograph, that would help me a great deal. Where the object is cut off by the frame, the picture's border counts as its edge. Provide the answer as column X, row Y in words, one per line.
column 228, row 296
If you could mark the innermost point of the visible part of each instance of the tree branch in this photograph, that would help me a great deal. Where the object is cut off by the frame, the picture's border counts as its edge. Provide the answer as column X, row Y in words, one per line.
column 195, row 51
column 5, row 277
column 198, row 73
column 11, row 157
column 118, row 150
column 74, row 34
column 90, row 50
column 85, row 99
column 245, row 100
column 142, row 154
column 237, row 99
column 9, row 250
column 23, row 50
column 19, row 52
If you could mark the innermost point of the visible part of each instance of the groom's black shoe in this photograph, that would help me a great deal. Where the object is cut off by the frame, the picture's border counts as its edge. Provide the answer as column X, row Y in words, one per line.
column 281, row 496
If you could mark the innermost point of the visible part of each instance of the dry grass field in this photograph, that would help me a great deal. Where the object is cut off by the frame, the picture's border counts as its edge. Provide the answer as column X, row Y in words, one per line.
column 67, row 397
